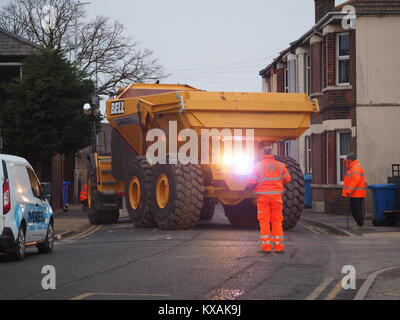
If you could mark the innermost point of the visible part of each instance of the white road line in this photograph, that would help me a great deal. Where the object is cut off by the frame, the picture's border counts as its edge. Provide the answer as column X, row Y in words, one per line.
column 362, row 293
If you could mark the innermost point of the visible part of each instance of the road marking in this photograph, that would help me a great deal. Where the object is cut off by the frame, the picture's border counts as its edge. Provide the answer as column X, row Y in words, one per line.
column 312, row 229
column 86, row 233
column 334, row 292
column 86, row 295
column 361, row 294
column 83, row 232
column 318, row 290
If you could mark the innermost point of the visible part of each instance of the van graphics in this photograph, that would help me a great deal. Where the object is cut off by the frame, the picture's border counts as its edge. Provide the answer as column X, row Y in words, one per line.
column 37, row 217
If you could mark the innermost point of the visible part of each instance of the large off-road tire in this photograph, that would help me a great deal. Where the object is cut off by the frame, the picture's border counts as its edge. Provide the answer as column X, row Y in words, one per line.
column 138, row 193
column 177, row 193
column 122, row 156
column 98, row 214
column 293, row 197
column 207, row 212
column 243, row 214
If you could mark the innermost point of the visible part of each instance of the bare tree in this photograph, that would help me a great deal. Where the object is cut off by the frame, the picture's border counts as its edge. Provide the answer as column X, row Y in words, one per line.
column 99, row 48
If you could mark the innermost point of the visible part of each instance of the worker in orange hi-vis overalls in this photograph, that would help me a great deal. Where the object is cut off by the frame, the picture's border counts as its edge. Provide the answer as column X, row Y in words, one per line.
column 269, row 176
column 84, row 195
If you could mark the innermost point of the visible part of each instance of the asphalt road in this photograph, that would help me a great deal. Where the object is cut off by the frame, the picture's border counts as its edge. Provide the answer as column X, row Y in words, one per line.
column 212, row 261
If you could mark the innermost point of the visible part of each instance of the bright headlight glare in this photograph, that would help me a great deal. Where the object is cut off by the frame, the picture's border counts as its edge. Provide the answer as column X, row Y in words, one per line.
column 240, row 164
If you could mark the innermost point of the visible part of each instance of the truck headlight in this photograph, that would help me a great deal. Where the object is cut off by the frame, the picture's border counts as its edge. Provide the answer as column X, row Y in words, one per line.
column 240, row 164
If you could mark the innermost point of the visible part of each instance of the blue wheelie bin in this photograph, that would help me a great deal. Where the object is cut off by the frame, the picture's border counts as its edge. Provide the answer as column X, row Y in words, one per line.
column 308, row 190
column 384, row 200
column 66, row 185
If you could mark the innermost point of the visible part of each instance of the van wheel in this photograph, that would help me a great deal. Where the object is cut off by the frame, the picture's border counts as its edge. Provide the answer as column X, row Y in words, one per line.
column 19, row 253
column 48, row 244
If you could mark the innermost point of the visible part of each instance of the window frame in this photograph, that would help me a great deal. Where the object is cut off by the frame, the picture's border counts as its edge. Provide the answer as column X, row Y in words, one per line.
column 308, row 154
column 338, row 155
column 36, row 191
column 286, row 80
column 13, row 64
column 307, row 73
column 341, row 58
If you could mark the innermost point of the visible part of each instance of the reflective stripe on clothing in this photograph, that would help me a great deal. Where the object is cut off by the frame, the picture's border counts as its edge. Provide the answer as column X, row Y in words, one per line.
column 269, row 175
column 267, row 242
column 270, row 192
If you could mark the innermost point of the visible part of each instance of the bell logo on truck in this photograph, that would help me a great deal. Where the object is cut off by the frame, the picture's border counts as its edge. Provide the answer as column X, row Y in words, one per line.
column 117, row 107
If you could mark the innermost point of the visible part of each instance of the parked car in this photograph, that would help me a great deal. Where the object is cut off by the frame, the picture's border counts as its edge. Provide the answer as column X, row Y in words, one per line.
column 26, row 217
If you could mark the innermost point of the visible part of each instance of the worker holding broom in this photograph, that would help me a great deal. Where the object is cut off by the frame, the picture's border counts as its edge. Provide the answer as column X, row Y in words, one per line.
column 269, row 177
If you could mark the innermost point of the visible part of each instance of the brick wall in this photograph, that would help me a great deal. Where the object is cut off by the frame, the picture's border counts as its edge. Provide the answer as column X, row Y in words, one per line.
column 335, row 203
column 365, row 6
column 280, row 80
column 316, row 59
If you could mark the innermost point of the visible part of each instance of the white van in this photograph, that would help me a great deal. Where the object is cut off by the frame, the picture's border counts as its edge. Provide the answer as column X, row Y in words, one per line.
column 26, row 218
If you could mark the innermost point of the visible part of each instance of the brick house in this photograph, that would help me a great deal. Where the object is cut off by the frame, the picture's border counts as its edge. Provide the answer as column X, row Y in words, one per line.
column 353, row 74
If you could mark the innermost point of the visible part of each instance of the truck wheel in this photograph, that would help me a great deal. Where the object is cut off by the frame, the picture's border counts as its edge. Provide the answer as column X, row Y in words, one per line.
column 138, row 193
column 293, row 197
column 177, row 195
column 243, row 214
column 207, row 212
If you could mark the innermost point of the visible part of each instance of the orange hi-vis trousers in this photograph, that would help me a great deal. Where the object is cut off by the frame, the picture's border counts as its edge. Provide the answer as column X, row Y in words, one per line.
column 269, row 214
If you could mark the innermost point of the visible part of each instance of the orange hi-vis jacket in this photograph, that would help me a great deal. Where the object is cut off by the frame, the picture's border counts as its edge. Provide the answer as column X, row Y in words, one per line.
column 269, row 175
column 354, row 181
column 84, row 193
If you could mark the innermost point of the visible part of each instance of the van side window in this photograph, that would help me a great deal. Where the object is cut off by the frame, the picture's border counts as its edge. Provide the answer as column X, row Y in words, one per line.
column 20, row 179
column 35, row 185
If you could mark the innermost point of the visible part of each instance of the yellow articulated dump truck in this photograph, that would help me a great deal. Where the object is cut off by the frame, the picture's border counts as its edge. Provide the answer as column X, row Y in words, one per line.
column 152, row 127
column 104, row 192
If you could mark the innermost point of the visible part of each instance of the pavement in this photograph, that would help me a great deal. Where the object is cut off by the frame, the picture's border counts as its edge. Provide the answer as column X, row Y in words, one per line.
column 381, row 284
column 70, row 222
column 342, row 224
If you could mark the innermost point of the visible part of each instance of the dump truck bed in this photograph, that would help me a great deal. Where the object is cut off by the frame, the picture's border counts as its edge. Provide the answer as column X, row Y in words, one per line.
column 273, row 116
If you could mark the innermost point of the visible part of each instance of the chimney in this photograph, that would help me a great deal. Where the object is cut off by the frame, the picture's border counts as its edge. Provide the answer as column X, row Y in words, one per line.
column 322, row 7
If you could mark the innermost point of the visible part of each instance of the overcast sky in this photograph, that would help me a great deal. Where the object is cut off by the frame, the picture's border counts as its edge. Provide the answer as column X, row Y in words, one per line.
column 214, row 45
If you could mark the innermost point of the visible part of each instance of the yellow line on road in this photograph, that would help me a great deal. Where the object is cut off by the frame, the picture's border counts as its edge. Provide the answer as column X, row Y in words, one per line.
column 334, row 292
column 86, row 233
column 86, row 295
column 318, row 290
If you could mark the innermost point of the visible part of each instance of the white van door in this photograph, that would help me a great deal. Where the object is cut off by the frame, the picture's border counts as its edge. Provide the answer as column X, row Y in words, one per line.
column 23, row 200
column 40, row 218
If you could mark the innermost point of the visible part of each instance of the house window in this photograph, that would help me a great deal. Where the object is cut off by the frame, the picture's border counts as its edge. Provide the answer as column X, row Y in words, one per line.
column 287, row 148
column 9, row 71
column 342, row 58
column 307, row 73
column 286, row 80
column 342, row 150
column 308, row 159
